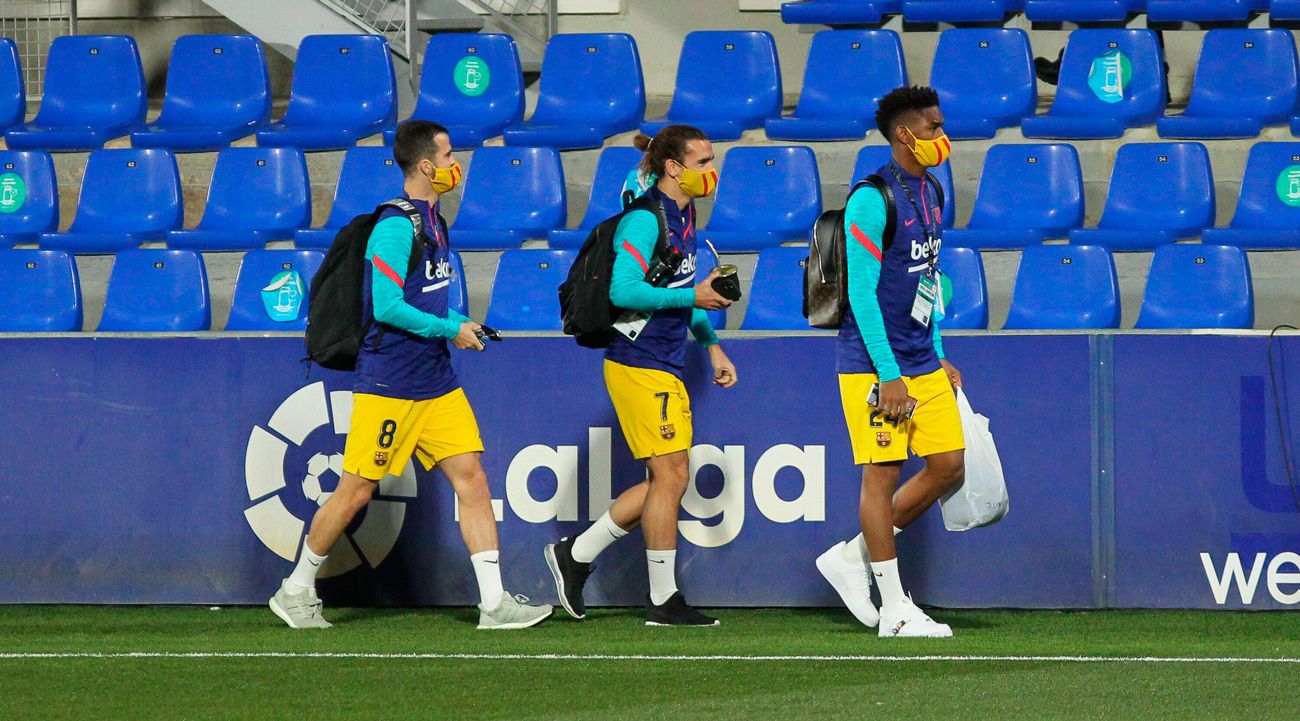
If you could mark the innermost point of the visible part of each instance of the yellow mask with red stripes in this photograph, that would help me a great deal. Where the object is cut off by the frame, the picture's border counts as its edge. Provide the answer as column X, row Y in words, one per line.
column 696, row 183
column 444, row 179
column 930, row 153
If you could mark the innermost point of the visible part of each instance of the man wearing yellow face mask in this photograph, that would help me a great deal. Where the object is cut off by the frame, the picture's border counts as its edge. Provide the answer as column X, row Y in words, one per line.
column 643, row 372
column 896, row 387
column 407, row 400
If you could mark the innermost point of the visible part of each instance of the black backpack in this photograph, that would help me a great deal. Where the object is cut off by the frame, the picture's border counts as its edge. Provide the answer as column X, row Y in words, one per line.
column 585, row 308
column 335, row 328
column 826, row 272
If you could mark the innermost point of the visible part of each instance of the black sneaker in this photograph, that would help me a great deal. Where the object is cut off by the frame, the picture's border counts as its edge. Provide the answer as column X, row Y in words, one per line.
column 675, row 612
column 570, row 576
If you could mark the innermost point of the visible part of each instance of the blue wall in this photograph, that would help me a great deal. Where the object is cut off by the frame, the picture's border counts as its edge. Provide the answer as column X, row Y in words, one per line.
column 170, row 470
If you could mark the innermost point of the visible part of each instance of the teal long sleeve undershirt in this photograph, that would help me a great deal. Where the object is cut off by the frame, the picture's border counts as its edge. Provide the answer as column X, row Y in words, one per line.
column 866, row 210
column 390, row 241
column 628, row 287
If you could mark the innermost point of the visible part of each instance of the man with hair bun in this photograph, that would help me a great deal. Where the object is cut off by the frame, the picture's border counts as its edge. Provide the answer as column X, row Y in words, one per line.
column 643, row 373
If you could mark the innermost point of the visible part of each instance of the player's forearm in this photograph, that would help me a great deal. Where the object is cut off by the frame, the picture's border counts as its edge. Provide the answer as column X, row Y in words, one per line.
column 634, row 243
column 702, row 328
column 938, row 341
column 388, row 250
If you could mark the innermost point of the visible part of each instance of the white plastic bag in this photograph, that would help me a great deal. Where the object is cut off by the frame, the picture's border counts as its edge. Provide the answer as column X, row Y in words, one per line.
column 981, row 499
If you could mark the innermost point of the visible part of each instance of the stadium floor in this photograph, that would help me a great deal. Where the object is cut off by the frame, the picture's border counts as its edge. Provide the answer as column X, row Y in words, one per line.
column 82, row 662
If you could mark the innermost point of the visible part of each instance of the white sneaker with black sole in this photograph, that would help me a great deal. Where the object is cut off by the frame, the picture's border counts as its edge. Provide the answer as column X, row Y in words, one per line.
column 852, row 582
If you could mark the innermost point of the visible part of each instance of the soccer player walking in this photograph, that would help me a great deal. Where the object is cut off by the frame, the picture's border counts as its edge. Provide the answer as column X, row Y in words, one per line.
column 643, row 373
column 406, row 397
column 890, row 339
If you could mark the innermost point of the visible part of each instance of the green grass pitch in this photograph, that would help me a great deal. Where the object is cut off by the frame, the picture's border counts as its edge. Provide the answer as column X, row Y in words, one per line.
column 62, row 662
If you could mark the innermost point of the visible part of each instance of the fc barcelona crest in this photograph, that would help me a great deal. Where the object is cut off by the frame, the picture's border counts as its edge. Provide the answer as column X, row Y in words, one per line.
column 884, row 439
column 668, row 431
column 381, row 458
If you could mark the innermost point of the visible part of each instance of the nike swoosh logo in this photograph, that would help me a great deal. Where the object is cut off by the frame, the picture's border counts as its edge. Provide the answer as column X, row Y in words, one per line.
column 492, row 562
column 909, row 223
column 313, row 563
column 878, row 575
column 654, row 561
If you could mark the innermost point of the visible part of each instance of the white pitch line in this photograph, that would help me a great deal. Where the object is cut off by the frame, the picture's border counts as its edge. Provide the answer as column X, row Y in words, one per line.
column 638, row 657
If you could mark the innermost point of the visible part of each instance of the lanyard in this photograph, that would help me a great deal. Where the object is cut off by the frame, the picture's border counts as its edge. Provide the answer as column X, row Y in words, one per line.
column 921, row 217
column 431, row 220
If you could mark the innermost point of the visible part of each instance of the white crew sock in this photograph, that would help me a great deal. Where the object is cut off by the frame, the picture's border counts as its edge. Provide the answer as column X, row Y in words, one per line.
column 592, row 541
column 886, row 576
column 487, row 569
column 663, row 575
column 303, row 577
column 855, row 550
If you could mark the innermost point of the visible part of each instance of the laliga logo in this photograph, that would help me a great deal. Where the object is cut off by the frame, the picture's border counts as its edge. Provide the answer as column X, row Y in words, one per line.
column 289, row 464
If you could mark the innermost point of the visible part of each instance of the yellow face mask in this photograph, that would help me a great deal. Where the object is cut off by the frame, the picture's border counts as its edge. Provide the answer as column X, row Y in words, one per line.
column 930, row 153
column 698, row 184
column 444, row 179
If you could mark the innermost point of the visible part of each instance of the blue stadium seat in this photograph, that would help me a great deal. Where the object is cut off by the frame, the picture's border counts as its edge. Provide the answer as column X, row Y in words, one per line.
column 767, row 195
column 873, row 157
column 1245, row 80
column 29, row 198
column 1111, row 80
column 109, row 216
column 985, row 79
column 368, row 177
column 217, row 91
column 511, row 195
column 848, row 72
column 776, row 296
column 1284, row 10
column 591, row 88
column 1027, row 194
column 343, row 91
column 839, row 12
column 1268, row 208
column 94, row 91
column 1193, row 11
column 157, row 291
column 458, row 292
column 1198, row 286
column 472, row 84
column 606, row 196
column 1159, row 193
column 257, row 195
column 523, row 292
column 969, row 307
column 960, row 11
column 39, row 292
column 13, row 93
column 1082, row 11
column 1065, row 287
column 727, row 83
column 264, row 300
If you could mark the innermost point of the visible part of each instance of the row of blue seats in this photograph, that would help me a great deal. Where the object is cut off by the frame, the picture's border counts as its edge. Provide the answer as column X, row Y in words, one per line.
column 727, row 82
column 1057, row 287
column 858, row 12
column 1159, row 193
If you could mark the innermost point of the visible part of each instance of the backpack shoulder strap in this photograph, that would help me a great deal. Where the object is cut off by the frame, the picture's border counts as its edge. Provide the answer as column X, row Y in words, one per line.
column 645, row 202
column 417, row 226
column 891, row 207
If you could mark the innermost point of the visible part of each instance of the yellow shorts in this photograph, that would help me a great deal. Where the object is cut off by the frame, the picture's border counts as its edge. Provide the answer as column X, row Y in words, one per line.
column 387, row 431
column 935, row 426
column 653, row 409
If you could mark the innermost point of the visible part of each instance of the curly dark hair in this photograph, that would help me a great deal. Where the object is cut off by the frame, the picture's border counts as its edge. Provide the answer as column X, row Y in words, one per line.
column 902, row 100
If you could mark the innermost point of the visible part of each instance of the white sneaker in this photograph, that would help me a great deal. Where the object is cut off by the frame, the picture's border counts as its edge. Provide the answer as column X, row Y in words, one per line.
column 907, row 621
column 512, row 613
column 300, row 611
column 853, row 583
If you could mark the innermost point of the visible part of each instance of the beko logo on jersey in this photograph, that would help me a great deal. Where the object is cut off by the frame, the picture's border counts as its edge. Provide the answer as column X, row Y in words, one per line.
column 435, row 272
column 926, row 250
column 688, row 265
